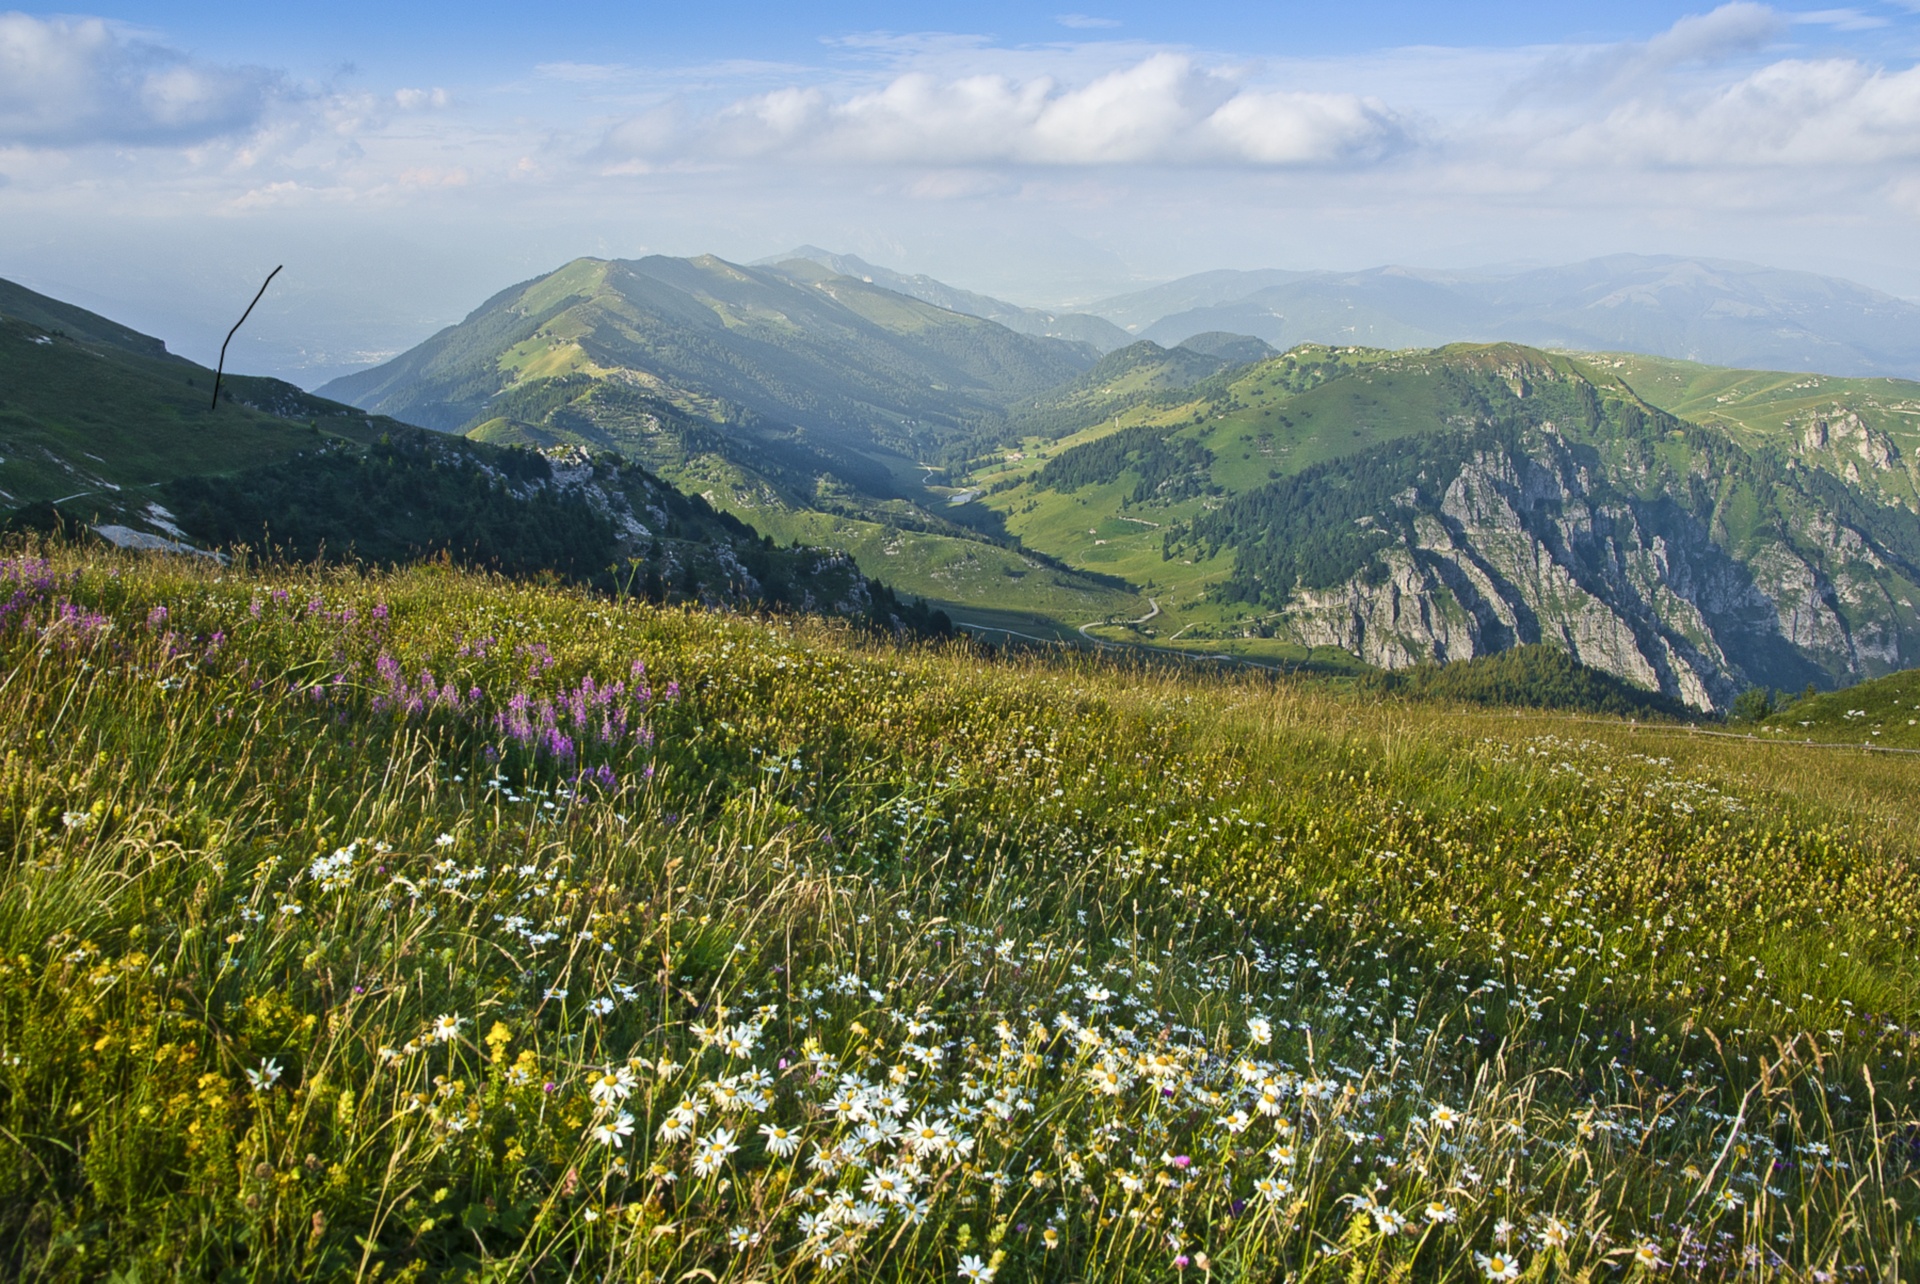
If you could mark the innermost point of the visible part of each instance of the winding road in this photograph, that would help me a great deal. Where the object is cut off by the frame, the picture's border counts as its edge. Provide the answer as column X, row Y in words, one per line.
column 1152, row 602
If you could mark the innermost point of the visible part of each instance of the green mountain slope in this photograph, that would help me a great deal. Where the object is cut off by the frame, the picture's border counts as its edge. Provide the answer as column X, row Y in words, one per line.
column 818, row 407
column 1866, row 431
column 89, row 408
column 1434, row 505
column 102, row 428
column 1884, row 712
column 1140, row 374
column 854, row 367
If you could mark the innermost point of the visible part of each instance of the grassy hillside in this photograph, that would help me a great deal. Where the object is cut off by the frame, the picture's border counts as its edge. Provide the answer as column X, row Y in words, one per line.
column 1864, row 430
column 87, row 411
column 429, row 926
column 1884, row 712
column 101, row 427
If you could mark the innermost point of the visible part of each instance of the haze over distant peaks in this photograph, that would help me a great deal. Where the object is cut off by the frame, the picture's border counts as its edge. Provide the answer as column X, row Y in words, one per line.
column 1104, row 335
column 1710, row 310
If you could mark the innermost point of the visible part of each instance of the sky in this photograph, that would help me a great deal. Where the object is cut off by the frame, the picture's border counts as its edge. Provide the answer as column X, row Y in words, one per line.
column 407, row 161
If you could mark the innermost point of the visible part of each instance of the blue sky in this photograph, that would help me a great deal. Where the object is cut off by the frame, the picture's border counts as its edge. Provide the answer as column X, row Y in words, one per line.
column 498, row 38
column 405, row 160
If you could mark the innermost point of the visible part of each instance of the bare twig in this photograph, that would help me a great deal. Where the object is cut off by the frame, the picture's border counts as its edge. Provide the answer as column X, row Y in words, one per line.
column 222, row 368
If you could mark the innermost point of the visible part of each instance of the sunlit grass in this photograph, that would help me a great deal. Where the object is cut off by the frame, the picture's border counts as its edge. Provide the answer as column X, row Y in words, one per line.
column 428, row 925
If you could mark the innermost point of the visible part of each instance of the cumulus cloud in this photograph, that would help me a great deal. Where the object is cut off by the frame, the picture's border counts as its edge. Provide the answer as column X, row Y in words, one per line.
column 1829, row 112
column 1699, row 96
column 66, row 82
column 1163, row 109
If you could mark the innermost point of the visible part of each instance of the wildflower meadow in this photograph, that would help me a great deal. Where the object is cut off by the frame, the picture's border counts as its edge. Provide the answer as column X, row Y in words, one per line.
column 426, row 925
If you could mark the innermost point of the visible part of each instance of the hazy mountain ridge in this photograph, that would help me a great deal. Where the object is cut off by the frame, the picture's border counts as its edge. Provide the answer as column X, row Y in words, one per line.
column 1078, row 327
column 1714, row 311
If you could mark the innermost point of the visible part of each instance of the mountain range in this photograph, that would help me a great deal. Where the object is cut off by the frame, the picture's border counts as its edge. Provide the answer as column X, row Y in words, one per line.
column 818, row 407
column 1444, row 504
column 1691, row 529
column 1695, row 530
column 1709, row 310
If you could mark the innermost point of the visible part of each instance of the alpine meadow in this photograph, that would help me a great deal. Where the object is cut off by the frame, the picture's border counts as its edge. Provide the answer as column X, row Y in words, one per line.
column 877, row 644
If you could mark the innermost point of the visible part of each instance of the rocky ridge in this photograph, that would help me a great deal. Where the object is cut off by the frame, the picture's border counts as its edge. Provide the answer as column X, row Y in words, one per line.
column 1549, row 505
column 1530, row 545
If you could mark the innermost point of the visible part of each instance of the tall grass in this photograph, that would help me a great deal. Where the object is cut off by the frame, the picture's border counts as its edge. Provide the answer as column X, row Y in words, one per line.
column 426, row 925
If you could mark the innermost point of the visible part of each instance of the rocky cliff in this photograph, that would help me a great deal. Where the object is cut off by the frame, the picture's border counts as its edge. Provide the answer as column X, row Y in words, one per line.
column 1653, row 549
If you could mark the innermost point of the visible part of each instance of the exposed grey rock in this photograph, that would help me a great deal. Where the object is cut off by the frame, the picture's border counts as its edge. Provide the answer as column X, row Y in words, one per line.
column 1541, row 545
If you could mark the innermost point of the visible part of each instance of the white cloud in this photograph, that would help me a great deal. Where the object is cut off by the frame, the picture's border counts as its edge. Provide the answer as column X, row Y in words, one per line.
column 1161, row 110
column 1736, row 28
column 1816, row 114
column 1840, row 19
column 1084, row 22
column 75, row 81
column 421, row 99
column 1636, row 67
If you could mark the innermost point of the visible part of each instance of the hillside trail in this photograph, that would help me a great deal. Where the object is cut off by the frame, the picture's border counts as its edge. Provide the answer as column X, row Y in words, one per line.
column 1152, row 602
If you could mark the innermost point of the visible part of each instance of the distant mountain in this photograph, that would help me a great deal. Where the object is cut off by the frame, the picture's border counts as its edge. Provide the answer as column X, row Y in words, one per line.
column 1076, row 326
column 870, row 379
column 1708, row 310
column 817, row 406
column 1139, row 309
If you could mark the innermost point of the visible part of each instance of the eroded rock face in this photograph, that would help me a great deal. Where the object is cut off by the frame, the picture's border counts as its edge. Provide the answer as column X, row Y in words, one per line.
column 1542, row 544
